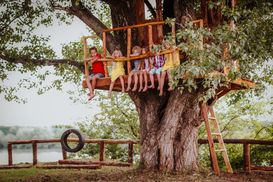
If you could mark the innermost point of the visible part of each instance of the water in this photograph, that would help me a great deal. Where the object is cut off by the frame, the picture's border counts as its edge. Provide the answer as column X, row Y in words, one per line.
column 25, row 155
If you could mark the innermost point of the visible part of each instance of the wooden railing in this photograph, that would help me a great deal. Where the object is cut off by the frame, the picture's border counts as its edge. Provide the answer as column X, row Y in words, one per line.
column 100, row 142
column 246, row 151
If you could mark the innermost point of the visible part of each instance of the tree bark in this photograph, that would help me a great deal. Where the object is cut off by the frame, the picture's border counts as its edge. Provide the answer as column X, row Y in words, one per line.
column 169, row 129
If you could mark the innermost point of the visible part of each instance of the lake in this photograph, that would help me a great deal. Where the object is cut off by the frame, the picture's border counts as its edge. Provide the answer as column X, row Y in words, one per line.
column 25, row 155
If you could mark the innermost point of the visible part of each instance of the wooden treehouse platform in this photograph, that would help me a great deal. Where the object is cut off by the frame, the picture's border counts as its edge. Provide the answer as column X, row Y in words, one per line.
column 152, row 32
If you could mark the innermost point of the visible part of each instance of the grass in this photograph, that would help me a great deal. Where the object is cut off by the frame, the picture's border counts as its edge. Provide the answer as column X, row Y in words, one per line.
column 130, row 174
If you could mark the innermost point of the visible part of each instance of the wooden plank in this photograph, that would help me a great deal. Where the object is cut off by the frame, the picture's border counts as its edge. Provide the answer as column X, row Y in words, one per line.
column 15, row 167
column 102, row 151
column 93, row 166
column 239, row 141
column 129, row 45
column 135, row 26
column 103, row 163
column 10, row 154
column 246, row 157
column 262, row 168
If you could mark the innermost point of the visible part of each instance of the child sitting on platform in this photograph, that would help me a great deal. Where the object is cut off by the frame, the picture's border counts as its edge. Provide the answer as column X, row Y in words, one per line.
column 97, row 70
column 157, row 63
column 117, row 71
column 171, row 61
column 136, row 63
column 145, row 69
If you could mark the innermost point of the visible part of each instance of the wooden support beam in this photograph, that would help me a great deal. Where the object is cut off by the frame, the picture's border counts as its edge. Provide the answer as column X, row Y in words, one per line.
column 173, row 32
column 104, row 53
column 246, row 157
column 10, row 154
column 130, row 153
column 34, row 152
column 104, row 163
column 102, row 151
column 150, row 37
column 129, row 45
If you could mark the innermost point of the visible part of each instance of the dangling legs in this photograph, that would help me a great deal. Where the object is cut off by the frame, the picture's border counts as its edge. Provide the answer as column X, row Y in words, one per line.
column 145, row 81
column 162, row 81
column 122, row 83
column 135, row 80
column 140, row 81
column 91, row 93
column 170, row 78
column 158, row 80
column 129, row 81
column 152, row 80
column 110, row 89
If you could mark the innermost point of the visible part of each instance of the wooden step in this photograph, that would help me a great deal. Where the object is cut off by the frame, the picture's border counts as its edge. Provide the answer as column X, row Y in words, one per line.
column 212, row 118
column 70, row 166
column 216, row 133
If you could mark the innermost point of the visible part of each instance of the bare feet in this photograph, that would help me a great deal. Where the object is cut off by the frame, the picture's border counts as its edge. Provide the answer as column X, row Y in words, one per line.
column 139, row 90
column 151, row 86
column 91, row 96
column 145, row 89
column 170, row 89
column 160, row 93
column 109, row 95
column 134, row 89
column 128, row 89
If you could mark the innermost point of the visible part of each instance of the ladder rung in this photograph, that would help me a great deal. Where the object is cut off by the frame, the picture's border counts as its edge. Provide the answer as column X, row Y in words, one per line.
column 220, row 150
column 216, row 133
column 212, row 118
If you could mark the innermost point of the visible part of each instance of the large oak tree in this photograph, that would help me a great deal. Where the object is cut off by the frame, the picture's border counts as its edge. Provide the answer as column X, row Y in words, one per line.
column 168, row 124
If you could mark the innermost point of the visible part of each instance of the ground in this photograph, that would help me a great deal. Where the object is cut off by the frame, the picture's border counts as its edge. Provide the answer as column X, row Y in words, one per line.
column 124, row 174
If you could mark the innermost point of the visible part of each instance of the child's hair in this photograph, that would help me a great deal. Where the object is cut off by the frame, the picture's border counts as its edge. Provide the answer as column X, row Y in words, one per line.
column 93, row 48
column 136, row 48
column 117, row 47
column 166, row 43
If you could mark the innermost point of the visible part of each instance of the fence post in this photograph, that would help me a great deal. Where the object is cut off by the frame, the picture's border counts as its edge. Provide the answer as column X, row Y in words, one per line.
column 34, row 152
column 102, row 151
column 10, row 153
column 246, row 157
column 130, row 152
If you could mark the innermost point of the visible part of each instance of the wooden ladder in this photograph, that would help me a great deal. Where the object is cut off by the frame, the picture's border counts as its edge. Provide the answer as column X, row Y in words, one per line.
column 209, row 116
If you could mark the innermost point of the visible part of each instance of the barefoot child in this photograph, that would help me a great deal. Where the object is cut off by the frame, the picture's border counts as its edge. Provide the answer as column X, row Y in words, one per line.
column 117, row 71
column 144, row 71
column 157, row 62
column 172, row 60
column 136, row 52
column 97, row 70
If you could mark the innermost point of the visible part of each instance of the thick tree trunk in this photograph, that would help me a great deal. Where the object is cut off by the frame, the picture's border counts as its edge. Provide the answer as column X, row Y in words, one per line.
column 169, row 128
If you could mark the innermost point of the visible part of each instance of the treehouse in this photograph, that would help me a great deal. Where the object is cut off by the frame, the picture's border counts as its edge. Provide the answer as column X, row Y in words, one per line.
column 153, row 32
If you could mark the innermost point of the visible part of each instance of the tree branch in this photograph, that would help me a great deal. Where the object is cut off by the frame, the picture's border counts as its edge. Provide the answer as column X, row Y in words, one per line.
column 80, row 11
column 44, row 62
column 150, row 7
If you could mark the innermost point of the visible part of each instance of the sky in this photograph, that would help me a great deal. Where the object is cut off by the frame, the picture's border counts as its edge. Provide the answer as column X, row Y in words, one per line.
column 54, row 107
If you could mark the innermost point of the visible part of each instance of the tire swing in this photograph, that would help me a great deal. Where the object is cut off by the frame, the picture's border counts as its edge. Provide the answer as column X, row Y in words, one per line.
column 64, row 141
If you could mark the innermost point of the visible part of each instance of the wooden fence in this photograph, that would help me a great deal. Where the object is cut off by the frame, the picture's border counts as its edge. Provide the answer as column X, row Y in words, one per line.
column 102, row 142
column 246, row 151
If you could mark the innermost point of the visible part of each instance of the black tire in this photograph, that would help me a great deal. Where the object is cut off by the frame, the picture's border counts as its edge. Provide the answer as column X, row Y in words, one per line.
column 65, row 145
